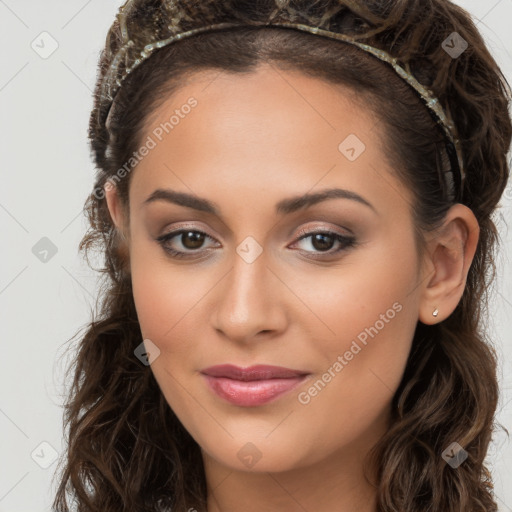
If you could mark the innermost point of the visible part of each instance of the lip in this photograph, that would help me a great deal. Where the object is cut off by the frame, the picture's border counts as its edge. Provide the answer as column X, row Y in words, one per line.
column 252, row 386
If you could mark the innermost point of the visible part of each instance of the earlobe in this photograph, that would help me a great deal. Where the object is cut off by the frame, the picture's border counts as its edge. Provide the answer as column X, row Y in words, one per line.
column 450, row 253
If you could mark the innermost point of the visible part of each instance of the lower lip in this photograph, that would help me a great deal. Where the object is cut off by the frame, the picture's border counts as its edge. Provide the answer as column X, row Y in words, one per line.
column 251, row 393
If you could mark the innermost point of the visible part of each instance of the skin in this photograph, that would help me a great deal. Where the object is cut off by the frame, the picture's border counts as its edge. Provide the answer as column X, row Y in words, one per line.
column 252, row 141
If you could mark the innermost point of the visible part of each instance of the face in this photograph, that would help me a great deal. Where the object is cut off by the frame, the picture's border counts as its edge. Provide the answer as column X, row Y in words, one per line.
column 326, row 287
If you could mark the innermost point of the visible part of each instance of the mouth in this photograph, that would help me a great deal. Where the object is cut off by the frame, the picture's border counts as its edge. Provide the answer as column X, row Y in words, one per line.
column 253, row 386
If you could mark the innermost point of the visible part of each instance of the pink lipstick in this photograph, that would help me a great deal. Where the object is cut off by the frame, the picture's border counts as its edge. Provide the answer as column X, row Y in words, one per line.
column 252, row 386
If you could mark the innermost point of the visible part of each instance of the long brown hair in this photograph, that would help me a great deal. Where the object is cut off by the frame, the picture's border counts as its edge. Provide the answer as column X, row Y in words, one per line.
column 127, row 451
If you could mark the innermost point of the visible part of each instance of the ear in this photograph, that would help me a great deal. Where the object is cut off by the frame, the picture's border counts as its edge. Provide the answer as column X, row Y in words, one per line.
column 114, row 205
column 118, row 215
column 450, row 251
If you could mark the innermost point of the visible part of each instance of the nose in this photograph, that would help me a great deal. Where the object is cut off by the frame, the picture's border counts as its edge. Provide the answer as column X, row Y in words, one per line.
column 249, row 302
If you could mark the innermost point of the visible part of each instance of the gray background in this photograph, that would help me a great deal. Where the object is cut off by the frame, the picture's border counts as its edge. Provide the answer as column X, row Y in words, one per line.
column 46, row 175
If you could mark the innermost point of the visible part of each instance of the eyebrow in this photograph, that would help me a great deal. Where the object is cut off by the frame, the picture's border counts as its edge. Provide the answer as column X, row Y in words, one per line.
column 283, row 207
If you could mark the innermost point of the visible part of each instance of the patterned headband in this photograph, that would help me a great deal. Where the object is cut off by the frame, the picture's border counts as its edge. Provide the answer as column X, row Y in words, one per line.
column 173, row 21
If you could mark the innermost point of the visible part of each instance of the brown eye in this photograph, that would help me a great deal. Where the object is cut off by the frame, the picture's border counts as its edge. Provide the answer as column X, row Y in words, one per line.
column 323, row 241
column 192, row 239
column 188, row 241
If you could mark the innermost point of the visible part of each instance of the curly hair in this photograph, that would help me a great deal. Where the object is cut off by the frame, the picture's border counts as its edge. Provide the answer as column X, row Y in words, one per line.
column 127, row 451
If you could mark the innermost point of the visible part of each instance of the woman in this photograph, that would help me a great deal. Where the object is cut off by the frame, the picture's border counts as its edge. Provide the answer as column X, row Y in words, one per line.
column 298, row 243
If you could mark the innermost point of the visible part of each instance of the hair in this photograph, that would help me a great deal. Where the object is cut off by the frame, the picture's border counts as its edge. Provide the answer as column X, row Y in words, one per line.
column 127, row 451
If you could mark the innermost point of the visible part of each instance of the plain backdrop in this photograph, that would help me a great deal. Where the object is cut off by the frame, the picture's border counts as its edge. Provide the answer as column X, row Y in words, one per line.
column 47, row 290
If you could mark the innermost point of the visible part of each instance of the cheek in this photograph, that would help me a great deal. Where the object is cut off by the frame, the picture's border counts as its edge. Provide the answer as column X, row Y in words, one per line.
column 363, row 364
column 164, row 293
column 374, row 286
column 173, row 310
column 168, row 300
column 366, row 317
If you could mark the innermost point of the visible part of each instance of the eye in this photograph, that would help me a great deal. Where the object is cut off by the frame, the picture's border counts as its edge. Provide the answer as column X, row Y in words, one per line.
column 323, row 241
column 190, row 240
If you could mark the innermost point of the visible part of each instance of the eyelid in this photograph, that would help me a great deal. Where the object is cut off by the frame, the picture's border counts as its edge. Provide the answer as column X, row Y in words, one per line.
column 324, row 229
column 186, row 226
column 347, row 240
column 303, row 231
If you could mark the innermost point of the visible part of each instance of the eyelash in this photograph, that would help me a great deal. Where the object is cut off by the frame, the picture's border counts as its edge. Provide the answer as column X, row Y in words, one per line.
column 346, row 242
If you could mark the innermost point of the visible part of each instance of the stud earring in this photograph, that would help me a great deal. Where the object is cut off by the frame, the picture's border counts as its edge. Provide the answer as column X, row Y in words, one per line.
column 435, row 312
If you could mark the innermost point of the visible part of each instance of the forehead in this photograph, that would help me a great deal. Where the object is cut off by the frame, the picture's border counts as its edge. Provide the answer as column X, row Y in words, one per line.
column 277, row 132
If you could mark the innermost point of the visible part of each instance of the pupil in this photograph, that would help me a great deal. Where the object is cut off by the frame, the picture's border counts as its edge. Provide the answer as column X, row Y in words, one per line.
column 196, row 238
column 319, row 237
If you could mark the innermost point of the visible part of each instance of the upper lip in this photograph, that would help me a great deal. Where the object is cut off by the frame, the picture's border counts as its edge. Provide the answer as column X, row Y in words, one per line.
column 257, row 372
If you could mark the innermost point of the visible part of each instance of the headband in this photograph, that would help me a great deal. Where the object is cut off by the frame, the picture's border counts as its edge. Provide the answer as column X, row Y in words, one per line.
column 134, row 50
